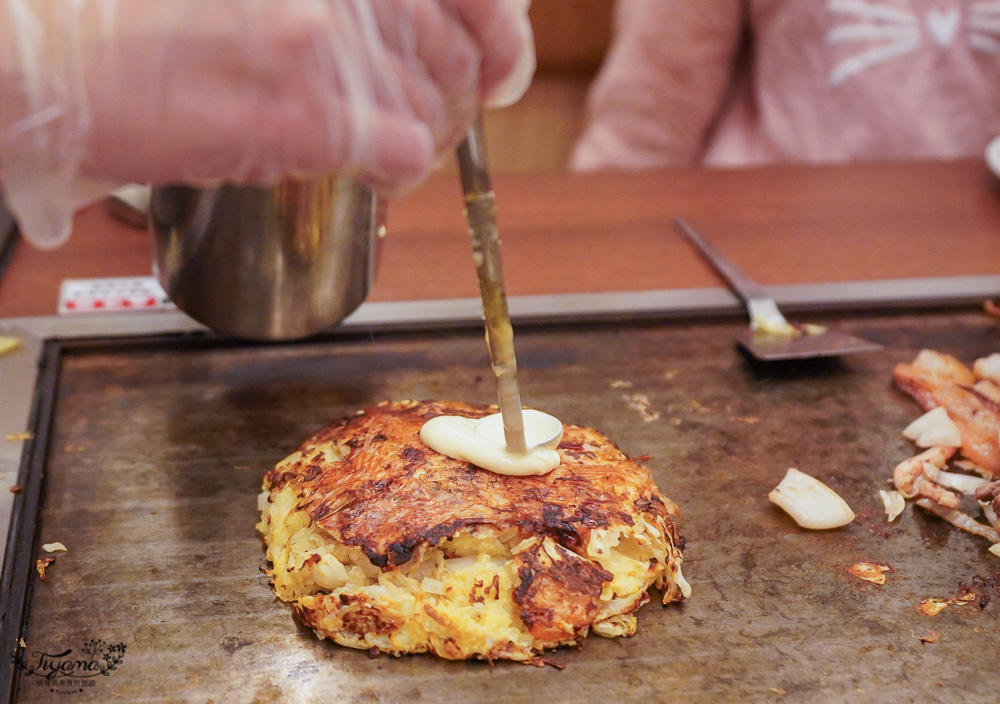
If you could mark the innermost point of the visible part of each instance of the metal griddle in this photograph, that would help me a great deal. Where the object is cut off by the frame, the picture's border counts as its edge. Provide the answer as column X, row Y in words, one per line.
column 153, row 448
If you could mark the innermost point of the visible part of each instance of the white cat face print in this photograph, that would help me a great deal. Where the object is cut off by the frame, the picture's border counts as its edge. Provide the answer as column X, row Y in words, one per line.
column 883, row 32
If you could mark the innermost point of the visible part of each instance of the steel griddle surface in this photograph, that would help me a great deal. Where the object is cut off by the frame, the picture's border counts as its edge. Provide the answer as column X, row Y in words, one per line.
column 157, row 453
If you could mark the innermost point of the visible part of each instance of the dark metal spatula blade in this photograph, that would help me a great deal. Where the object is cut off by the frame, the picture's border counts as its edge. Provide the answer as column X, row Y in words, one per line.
column 827, row 344
column 764, row 315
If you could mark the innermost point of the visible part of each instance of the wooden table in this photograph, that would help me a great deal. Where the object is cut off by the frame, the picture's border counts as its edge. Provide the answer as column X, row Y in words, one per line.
column 567, row 233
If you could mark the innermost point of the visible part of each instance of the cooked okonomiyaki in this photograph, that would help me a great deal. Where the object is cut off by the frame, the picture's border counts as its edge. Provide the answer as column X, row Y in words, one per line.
column 379, row 542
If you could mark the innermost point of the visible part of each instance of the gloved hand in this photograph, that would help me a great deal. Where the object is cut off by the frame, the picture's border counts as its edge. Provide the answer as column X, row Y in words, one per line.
column 99, row 92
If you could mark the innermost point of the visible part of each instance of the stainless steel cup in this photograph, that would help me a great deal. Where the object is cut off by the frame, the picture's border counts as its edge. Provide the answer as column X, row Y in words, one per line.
column 267, row 263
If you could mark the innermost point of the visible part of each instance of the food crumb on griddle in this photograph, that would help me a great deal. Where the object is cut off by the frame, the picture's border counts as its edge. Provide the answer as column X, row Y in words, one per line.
column 16, row 489
column 8, row 344
column 698, row 407
column 19, row 437
column 640, row 403
column 543, row 661
column 42, row 564
column 932, row 606
column 979, row 590
column 870, row 572
column 931, row 636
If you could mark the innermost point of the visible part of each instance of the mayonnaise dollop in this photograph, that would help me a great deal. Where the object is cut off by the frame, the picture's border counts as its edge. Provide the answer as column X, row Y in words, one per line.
column 481, row 442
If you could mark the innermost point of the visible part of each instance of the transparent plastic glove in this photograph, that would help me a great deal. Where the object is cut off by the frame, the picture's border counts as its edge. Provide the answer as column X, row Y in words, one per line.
column 95, row 93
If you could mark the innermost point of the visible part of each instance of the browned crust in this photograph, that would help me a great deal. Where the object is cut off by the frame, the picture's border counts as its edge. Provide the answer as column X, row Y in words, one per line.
column 355, row 611
column 558, row 591
column 392, row 494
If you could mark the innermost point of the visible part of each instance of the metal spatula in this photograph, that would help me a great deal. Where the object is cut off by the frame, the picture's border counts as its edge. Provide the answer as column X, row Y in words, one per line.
column 770, row 336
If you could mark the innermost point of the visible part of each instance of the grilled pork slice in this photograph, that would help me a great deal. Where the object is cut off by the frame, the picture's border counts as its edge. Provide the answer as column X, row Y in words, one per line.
column 935, row 379
column 379, row 542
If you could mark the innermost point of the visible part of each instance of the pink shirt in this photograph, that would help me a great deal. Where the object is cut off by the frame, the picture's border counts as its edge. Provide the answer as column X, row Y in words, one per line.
column 825, row 81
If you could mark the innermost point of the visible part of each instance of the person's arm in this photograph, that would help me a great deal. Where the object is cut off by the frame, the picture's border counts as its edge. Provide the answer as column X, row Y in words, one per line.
column 662, row 84
column 96, row 92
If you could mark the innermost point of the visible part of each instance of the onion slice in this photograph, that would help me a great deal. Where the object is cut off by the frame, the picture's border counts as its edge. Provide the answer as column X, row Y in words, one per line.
column 963, row 483
column 894, row 504
column 934, row 428
column 810, row 502
column 988, row 367
column 959, row 520
column 682, row 584
column 988, row 513
column 970, row 466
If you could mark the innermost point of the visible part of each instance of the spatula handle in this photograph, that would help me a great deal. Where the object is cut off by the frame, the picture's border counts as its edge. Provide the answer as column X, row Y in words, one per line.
column 760, row 305
column 741, row 283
